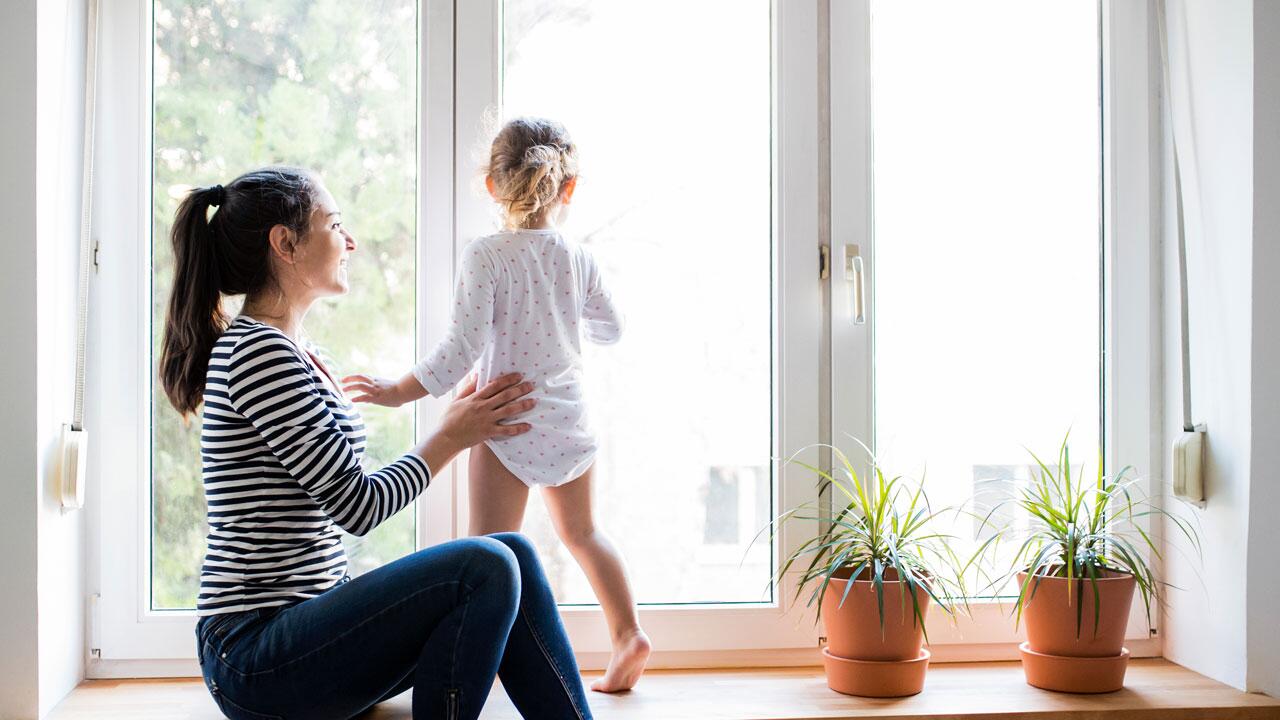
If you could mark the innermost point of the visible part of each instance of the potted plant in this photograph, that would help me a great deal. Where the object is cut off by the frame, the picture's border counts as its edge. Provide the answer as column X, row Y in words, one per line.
column 874, row 568
column 1077, row 565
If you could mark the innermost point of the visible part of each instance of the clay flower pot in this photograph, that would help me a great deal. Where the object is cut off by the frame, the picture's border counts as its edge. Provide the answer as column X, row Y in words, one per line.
column 863, row 658
column 1056, row 656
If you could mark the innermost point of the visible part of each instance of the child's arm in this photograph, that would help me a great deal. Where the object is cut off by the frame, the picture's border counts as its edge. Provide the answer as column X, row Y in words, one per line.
column 470, row 329
column 602, row 323
column 445, row 366
column 380, row 391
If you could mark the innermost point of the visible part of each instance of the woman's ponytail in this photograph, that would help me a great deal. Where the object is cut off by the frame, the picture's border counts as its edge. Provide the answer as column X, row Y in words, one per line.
column 195, row 319
column 226, row 254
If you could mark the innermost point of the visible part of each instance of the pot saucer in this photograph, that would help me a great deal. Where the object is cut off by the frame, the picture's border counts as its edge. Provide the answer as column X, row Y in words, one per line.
column 1074, row 674
column 876, row 678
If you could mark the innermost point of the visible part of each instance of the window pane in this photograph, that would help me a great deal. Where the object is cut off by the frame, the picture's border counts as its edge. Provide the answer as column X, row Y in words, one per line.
column 987, row 277
column 325, row 84
column 674, row 201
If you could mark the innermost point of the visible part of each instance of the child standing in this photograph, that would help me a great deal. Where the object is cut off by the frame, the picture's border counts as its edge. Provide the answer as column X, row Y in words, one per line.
column 523, row 300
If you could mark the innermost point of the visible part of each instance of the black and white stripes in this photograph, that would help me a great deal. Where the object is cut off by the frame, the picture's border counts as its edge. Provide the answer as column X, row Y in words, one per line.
column 281, row 455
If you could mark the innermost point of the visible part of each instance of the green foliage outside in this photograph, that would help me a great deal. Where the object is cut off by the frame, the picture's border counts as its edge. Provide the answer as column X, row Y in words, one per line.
column 325, row 84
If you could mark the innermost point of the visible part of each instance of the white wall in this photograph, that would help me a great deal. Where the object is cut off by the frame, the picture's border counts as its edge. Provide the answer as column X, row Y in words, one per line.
column 1226, row 61
column 1211, row 51
column 42, row 586
column 60, row 49
column 1264, row 494
column 18, row 460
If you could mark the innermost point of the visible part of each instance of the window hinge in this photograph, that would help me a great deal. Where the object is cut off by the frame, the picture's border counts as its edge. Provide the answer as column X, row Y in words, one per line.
column 95, row 255
column 822, row 640
column 824, row 262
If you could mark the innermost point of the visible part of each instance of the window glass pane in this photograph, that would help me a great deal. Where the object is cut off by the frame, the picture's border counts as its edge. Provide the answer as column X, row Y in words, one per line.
column 325, row 84
column 987, row 246
column 674, row 201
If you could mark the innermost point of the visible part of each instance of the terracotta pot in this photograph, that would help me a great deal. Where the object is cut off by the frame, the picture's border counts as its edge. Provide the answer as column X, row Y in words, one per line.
column 1066, row 649
column 869, row 678
column 853, row 628
column 1050, row 615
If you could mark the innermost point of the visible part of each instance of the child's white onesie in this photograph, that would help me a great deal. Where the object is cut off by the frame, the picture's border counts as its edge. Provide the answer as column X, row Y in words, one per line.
column 522, row 302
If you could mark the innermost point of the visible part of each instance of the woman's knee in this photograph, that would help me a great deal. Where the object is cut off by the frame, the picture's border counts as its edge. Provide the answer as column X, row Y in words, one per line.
column 519, row 545
column 489, row 552
column 486, row 561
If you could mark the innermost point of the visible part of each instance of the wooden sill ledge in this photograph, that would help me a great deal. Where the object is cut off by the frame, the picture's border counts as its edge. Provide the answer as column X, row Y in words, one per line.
column 972, row 691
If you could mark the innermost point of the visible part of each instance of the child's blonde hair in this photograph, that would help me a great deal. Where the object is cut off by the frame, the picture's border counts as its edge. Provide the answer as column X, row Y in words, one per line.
column 530, row 161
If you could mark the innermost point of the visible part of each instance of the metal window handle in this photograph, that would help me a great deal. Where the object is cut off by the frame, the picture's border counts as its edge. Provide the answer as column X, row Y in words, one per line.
column 854, row 274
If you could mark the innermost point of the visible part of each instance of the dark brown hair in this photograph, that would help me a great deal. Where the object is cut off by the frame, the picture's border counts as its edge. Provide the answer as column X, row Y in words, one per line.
column 530, row 161
column 227, row 253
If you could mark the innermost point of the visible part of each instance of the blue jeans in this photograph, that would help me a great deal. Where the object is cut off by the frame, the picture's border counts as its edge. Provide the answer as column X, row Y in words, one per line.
column 443, row 621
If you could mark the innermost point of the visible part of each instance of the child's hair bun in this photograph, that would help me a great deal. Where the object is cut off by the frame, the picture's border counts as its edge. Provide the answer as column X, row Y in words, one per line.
column 542, row 155
column 530, row 161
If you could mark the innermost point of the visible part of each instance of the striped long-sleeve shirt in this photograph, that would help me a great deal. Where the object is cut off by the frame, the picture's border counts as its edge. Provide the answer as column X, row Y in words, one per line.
column 282, row 472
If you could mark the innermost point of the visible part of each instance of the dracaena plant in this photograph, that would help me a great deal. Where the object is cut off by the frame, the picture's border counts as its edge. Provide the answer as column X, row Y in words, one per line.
column 879, row 525
column 1080, row 529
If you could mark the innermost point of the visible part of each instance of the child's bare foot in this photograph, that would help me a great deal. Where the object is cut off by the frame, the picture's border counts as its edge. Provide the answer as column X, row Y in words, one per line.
column 626, row 665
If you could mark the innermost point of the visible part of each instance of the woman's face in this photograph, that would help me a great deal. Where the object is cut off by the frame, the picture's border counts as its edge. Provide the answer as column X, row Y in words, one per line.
column 322, row 255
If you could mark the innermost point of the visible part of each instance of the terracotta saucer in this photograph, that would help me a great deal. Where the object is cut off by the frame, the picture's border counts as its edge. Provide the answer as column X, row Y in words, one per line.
column 876, row 678
column 1074, row 674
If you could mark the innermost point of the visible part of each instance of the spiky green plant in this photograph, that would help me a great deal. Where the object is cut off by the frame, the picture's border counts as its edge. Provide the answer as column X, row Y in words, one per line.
column 1080, row 531
column 882, row 524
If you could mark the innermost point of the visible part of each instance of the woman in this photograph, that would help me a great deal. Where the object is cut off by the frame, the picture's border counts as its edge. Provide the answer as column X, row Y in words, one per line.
column 283, row 632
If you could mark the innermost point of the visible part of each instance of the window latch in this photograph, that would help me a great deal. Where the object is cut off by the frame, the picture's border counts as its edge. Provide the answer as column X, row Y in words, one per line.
column 854, row 274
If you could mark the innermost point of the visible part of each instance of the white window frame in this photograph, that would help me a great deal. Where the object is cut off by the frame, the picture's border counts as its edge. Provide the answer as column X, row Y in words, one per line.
column 128, row 639
column 1130, row 305
column 458, row 45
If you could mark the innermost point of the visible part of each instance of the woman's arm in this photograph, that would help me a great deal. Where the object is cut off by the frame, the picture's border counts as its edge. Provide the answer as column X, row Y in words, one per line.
column 271, row 385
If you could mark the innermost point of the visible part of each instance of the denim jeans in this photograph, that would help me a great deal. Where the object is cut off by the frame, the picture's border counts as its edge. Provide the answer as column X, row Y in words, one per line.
column 443, row 621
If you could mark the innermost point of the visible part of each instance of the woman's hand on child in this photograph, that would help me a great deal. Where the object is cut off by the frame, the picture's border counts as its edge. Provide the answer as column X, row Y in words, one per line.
column 477, row 415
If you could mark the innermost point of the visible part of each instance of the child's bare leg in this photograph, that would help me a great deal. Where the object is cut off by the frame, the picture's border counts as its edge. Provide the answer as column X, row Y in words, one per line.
column 570, row 509
column 498, row 498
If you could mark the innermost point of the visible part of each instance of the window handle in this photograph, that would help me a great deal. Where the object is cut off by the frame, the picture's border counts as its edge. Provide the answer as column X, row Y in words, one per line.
column 854, row 274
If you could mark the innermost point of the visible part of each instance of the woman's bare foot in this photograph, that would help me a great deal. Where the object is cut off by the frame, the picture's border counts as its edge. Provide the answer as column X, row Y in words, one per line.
column 626, row 665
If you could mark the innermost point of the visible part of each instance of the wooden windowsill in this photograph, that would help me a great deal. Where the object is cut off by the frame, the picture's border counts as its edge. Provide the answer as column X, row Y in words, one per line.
column 974, row 691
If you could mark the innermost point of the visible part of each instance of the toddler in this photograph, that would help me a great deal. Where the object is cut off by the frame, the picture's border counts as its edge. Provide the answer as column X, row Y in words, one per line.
column 524, row 299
